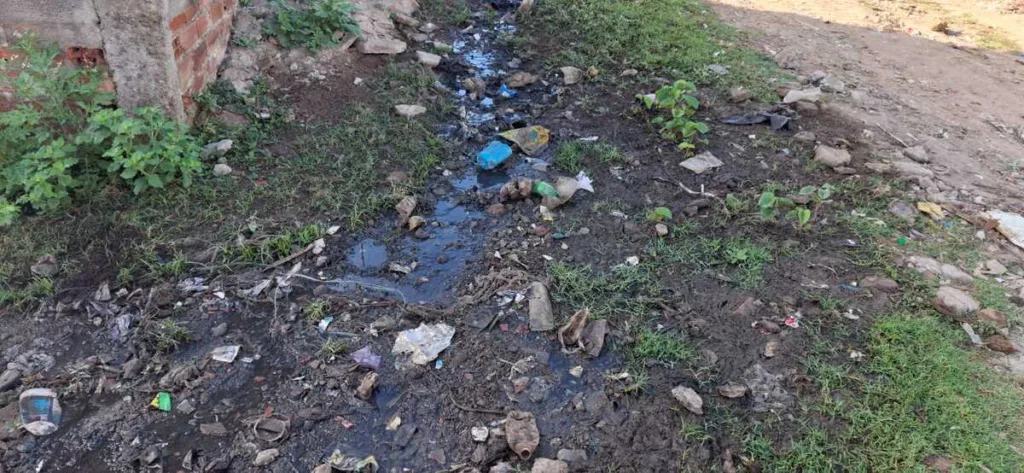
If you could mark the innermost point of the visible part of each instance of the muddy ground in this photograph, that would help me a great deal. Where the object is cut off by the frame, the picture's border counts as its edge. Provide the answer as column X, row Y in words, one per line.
column 723, row 287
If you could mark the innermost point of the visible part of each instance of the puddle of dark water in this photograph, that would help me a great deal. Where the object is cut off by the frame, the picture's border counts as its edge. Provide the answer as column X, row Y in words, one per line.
column 368, row 254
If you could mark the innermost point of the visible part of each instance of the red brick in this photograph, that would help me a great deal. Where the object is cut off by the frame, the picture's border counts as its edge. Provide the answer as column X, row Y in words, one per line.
column 184, row 74
column 199, row 56
column 188, row 38
column 6, row 53
column 202, row 24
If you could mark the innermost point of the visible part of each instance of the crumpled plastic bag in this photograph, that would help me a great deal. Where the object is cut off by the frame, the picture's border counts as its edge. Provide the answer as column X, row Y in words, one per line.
column 532, row 139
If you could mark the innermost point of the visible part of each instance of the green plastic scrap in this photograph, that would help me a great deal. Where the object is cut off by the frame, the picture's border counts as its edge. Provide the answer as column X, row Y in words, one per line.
column 544, row 189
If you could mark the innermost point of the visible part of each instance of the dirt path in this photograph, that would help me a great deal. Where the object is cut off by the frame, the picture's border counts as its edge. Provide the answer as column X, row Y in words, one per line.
column 961, row 102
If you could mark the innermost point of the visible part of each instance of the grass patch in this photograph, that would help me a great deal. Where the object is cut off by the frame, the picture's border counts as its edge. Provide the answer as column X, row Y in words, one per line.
column 744, row 259
column 571, row 155
column 678, row 39
column 620, row 291
column 662, row 348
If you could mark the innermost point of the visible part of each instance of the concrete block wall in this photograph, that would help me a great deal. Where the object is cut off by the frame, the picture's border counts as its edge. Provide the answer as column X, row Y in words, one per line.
column 157, row 52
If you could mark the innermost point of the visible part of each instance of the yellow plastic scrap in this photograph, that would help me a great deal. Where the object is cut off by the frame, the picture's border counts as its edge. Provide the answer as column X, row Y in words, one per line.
column 531, row 139
column 932, row 209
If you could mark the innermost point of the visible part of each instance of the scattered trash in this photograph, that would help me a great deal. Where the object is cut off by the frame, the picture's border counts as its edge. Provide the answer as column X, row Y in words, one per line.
column 520, row 79
column 975, row 339
column 424, row 343
column 542, row 317
column 777, row 122
column 256, row 290
column 479, row 434
column 493, row 155
column 324, row 323
column 521, row 433
column 341, row 462
column 633, row 260
column 771, row 348
column 365, row 358
column 409, row 111
column 367, row 385
column 792, row 322
column 544, row 189
column 393, row 424
column 517, row 189
column 571, row 334
column 161, row 401
column 531, row 140
column 40, row 411
column 931, row 209
column 856, row 355
column 1010, row 225
column 689, row 399
column 576, row 371
column 438, row 364
column 701, row 162
column 225, row 354
column 565, row 188
column 102, row 294
column 506, row 92
column 271, row 429
column 593, row 337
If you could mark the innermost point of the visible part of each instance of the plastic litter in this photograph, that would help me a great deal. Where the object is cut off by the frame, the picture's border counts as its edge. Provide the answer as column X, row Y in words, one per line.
column 271, row 429
column 542, row 317
column 324, row 323
column 226, row 354
column 571, row 334
column 40, row 411
column 544, row 189
column 777, row 122
column 532, row 139
column 161, row 401
column 521, row 433
column 424, row 343
column 931, row 209
column 701, row 162
column 493, row 155
column 487, row 102
column 566, row 188
column 1010, row 225
column 506, row 92
column 341, row 462
column 365, row 358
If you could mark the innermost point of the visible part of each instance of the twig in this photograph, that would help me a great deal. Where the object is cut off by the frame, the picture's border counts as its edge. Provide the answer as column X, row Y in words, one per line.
column 472, row 409
column 905, row 145
column 357, row 283
column 289, row 258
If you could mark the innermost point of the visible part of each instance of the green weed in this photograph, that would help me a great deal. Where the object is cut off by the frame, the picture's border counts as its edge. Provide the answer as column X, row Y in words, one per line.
column 661, row 348
column 314, row 26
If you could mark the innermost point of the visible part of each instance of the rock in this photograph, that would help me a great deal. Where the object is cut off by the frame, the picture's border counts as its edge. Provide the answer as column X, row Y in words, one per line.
column 266, row 457
column 216, row 149
column 221, row 169
column 571, row 75
column 832, row 157
column 422, row 234
column 902, row 210
column 542, row 317
column 628, row 73
column 102, row 293
column 404, row 435
column 9, row 380
column 740, row 94
column 911, row 169
column 994, row 317
column 917, row 153
column 428, row 28
column 544, row 465
column 185, row 407
column 994, row 268
column 768, row 326
column 833, row 84
column 661, row 229
column 521, row 433
column 718, row 69
column 219, row 330
column 807, row 95
column 479, row 433
column 701, row 162
column 367, row 385
column 805, row 108
column 882, row 284
column 938, row 464
column 689, row 399
column 766, row 390
column 879, row 168
column 1000, row 344
column 732, row 390
column 132, row 368
column 931, row 267
column 495, row 210
column 380, row 45
column 805, row 136
column 437, row 455
column 520, row 79
column 771, row 348
column 404, row 19
column 474, row 86
column 817, row 76
column 241, row 69
column 410, row 111
column 215, row 429
column 416, row 222
column 46, row 266
column 428, row 59
column 955, row 303
column 572, row 456
column 747, row 308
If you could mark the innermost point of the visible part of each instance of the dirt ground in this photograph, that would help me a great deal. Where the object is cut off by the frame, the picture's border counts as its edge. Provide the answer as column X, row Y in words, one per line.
column 718, row 299
column 961, row 101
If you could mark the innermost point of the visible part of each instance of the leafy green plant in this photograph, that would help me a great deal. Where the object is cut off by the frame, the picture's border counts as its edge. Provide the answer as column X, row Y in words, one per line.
column 682, row 105
column 659, row 214
column 313, row 26
column 800, row 214
column 62, row 136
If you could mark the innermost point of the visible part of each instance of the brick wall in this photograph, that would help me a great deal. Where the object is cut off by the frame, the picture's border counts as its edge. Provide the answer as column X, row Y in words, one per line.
column 200, row 33
column 74, row 56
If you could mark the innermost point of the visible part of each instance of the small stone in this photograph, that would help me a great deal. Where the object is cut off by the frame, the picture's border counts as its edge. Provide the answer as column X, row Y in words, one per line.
column 405, row 20
column 1000, row 344
column 732, row 390
column 428, row 28
column 437, row 455
column 495, row 210
column 131, row 368
column 10, row 379
column 917, row 153
column 479, row 433
column 216, row 149
column 902, row 210
column 520, row 79
column 817, row 76
column 46, row 266
column 878, row 168
column 186, row 407
column 807, row 95
column 994, row 268
column 366, row 386
column 689, row 399
column 219, row 330
column 747, row 308
column 718, row 69
column 571, row 75
column 428, row 59
column 422, row 234
column 882, row 284
column 321, row 261
column 771, row 349
column 266, row 457
column 544, row 465
column 416, row 222
column 404, row 435
column 215, row 429
column 832, row 157
column 661, row 228
column 955, row 303
column 805, row 136
column 410, row 111
column 572, row 456
column 221, row 169
column 380, row 45
column 993, row 316
column 576, row 371
column 833, row 84
column 806, row 108
column 739, row 95
column 911, row 169
column 628, row 73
